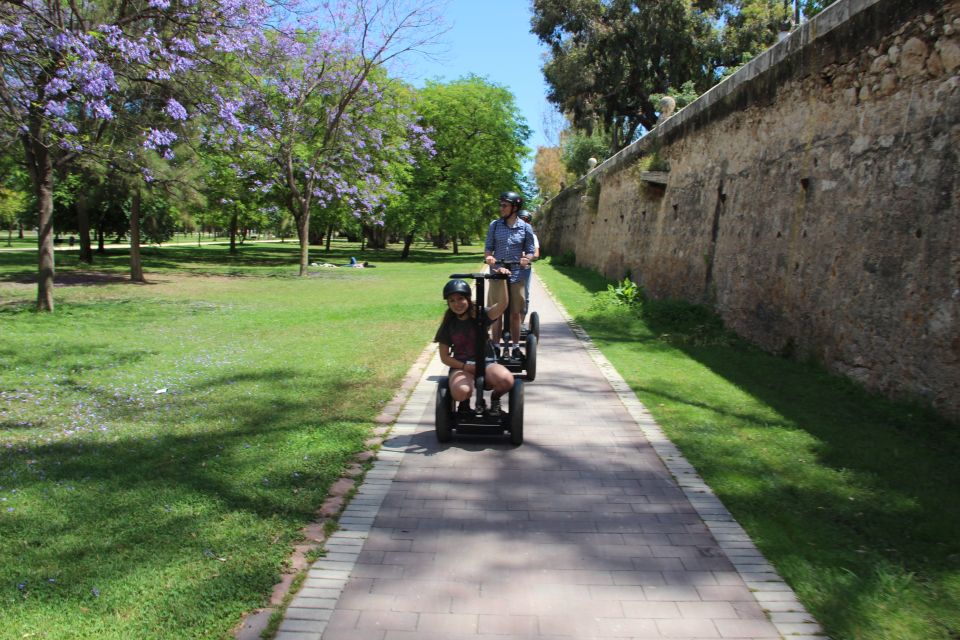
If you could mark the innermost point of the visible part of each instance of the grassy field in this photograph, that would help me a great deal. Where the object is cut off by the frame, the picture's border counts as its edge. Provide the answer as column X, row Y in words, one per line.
column 161, row 444
column 853, row 498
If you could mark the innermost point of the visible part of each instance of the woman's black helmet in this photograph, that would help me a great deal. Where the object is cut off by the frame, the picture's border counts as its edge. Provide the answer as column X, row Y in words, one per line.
column 457, row 286
column 513, row 198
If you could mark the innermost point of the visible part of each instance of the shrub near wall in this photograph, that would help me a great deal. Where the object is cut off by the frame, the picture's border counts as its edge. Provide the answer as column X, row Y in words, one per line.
column 812, row 198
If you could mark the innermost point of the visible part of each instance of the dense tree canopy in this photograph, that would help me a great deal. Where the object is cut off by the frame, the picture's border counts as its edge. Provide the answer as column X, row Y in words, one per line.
column 610, row 59
column 479, row 137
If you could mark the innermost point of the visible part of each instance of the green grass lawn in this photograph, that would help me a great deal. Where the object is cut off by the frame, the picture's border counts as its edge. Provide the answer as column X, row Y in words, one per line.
column 161, row 444
column 854, row 499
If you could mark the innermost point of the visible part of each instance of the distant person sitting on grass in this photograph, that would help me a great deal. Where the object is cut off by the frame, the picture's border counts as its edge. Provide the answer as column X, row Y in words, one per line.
column 457, row 337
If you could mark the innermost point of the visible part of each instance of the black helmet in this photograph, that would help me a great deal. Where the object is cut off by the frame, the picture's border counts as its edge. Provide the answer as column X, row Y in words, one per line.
column 456, row 286
column 524, row 215
column 513, row 198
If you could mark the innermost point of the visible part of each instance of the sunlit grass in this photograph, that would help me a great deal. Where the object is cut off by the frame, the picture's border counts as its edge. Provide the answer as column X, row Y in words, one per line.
column 162, row 444
column 852, row 497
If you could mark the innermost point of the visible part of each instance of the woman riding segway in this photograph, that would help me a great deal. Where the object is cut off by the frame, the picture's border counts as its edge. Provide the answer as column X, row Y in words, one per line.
column 457, row 337
column 465, row 347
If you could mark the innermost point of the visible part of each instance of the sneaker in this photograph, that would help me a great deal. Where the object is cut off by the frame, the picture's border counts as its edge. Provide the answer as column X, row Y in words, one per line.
column 517, row 354
column 463, row 407
column 494, row 407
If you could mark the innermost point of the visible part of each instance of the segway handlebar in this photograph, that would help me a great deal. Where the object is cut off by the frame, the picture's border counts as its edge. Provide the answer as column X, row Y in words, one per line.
column 480, row 276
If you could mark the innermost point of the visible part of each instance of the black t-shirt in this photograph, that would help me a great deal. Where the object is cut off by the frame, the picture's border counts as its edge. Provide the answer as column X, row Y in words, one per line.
column 461, row 335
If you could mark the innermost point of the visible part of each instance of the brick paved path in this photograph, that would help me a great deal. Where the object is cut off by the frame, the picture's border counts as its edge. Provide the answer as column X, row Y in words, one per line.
column 582, row 532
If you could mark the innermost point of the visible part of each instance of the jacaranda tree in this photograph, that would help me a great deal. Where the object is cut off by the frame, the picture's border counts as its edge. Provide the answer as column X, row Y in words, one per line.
column 311, row 103
column 70, row 72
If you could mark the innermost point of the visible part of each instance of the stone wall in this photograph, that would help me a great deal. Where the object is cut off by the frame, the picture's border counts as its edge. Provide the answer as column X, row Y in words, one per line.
column 812, row 198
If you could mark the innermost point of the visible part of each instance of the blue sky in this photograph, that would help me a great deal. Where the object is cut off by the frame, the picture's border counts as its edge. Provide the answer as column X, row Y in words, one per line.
column 492, row 39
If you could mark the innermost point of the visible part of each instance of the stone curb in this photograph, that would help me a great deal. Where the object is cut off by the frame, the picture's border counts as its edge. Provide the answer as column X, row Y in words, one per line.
column 776, row 597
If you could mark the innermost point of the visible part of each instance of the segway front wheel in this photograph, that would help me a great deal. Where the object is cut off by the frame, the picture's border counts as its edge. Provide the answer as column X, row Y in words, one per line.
column 443, row 414
column 516, row 413
column 530, row 363
column 534, row 324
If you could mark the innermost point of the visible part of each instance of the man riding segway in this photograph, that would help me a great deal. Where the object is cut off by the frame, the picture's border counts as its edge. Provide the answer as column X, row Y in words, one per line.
column 510, row 243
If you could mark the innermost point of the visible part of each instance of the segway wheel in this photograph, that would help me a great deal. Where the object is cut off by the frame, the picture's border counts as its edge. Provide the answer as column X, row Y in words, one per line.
column 444, row 414
column 531, row 357
column 534, row 324
column 516, row 413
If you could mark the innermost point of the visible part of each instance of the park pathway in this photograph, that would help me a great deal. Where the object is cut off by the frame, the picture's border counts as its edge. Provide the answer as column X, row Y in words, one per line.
column 595, row 528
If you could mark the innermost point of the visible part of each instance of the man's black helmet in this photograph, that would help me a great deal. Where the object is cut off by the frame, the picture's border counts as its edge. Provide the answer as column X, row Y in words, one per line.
column 512, row 197
column 524, row 215
column 456, row 286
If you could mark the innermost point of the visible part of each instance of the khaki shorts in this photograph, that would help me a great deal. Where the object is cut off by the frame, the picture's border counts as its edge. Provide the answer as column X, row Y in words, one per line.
column 517, row 293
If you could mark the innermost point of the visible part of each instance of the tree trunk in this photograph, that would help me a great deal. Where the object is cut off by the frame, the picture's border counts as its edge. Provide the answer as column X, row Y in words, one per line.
column 20, row 232
column 378, row 237
column 233, row 232
column 100, row 248
column 303, row 231
column 83, row 226
column 407, row 242
column 136, row 268
column 40, row 167
column 456, row 245
column 329, row 235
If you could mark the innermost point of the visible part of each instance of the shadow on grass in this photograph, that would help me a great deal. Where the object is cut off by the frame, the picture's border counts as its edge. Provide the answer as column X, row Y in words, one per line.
column 106, row 513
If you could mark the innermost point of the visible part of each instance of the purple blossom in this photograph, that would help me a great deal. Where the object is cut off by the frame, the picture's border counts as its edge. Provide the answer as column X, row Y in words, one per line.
column 100, row 109
column 57, row 86
column 56, row 108
column 175, row 110
column 159, row 138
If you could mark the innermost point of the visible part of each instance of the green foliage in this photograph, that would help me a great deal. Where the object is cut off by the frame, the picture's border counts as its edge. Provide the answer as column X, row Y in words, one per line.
column 578, row 148
column 479, row 137
column 608, row 58
column 683, row 96
column 593, row 194
column 13, row 204
column 626, row 292
column 653, row 161
column 566, row 259
column 611, row 60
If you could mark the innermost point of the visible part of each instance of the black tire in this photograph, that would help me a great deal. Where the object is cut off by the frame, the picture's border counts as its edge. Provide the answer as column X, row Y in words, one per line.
column 534, row 324
column 531, row 357
column 516, row 413
column 443, row 411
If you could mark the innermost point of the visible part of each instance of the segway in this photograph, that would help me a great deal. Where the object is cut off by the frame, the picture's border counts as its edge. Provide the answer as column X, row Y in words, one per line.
column 526, row 364
column 479, row 420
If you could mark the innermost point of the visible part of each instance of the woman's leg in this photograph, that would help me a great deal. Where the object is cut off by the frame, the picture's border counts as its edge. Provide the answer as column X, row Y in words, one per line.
column 499, row 379
column 461, row 385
